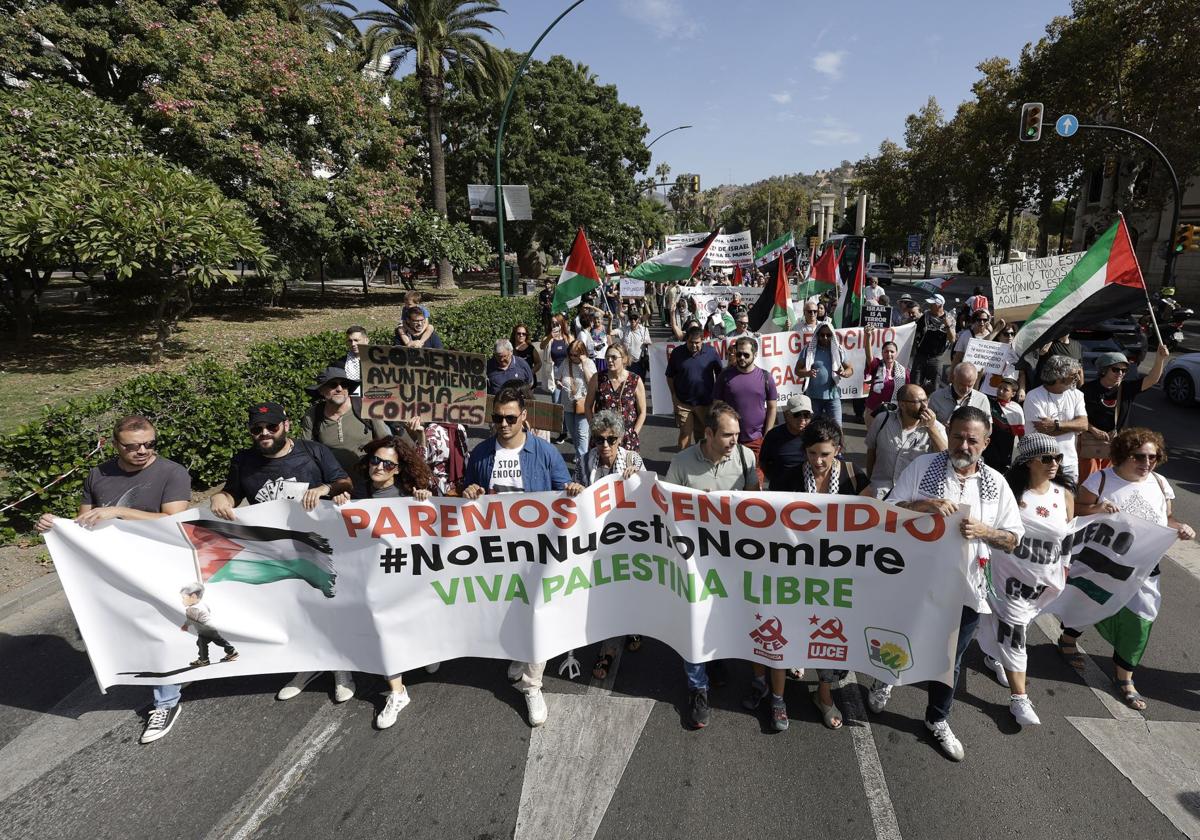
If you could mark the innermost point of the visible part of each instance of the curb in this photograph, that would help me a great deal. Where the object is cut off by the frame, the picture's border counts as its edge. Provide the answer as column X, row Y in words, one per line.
column 31, row 593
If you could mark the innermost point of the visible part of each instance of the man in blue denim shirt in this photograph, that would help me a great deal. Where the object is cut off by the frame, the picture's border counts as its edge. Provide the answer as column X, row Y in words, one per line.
column 514, row 461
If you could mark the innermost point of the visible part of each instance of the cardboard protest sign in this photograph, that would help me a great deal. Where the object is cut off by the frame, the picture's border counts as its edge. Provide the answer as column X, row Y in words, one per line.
column 435, row 386
column 993, row 359
column 877, row 315
column 632, row 288
column 1018, row 288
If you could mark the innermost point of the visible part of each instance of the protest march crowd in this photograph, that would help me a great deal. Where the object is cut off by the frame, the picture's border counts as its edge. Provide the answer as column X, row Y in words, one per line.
column 1024, row 452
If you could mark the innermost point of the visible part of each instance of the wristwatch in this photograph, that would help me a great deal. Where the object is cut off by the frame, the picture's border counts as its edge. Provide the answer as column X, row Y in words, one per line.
column 1057, row 427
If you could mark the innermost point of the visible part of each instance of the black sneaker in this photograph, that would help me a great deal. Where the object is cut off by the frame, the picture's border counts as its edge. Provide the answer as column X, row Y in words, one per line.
column 159, row 723
column 699, row 707
column 758, row 690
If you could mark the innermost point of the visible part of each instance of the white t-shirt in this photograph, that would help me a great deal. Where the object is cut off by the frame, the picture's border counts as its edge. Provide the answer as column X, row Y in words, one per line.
column 1064, row 407
column 872, row 293
column 506, row 471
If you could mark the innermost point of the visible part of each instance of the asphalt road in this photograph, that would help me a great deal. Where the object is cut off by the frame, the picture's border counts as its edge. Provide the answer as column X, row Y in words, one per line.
column 615, row 760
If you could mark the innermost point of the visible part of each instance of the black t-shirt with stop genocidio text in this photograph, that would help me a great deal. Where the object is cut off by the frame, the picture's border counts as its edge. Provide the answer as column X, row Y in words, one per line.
column 257, row 478
column 148, row 489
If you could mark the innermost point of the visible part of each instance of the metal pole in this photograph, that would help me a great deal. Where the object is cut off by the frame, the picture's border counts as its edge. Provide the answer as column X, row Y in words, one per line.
column 1169, row 265
column 665, row 133
column 500, row 143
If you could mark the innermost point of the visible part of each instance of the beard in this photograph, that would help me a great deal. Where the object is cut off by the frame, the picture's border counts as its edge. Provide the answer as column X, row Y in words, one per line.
column 274, row 446
column 960, row 461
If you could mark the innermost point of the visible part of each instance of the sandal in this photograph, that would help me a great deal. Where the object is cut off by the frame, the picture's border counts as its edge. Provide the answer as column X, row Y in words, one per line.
column 633, row 643
column 829, row 714
column 603, row 663
column 795, row 674
column 1132, row 699
column 1071, row 653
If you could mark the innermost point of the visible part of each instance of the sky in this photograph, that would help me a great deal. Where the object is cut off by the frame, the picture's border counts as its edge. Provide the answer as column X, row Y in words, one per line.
column 775, row 87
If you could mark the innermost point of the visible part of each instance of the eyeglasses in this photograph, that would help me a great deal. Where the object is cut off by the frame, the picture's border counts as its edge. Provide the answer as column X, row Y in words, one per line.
column 810, row 312
column 1008, row 333
column 148, row 445
column 376, row 461
column 506, row 419
column 916, row 402
column 520, row 332
column 1051, row 459
column 606, row 440
column 745, row 355
column 1119, row 368
column 258, row 428
column 1144, row 457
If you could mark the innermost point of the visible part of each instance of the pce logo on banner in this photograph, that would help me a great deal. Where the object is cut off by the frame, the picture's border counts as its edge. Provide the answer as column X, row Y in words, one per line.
column 769, row 638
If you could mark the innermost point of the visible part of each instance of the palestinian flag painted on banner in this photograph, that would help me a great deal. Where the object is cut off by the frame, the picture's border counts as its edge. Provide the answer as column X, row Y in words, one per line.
column 229, row 552
column 677, row 264
column 579, row 275
column 772, row 312
column 772, row 250
column 850, row 297
column 1105, row 281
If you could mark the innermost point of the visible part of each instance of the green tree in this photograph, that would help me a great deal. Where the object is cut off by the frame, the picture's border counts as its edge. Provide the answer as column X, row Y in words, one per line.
column 445, row 40
column 48, row 129
column 154, row 226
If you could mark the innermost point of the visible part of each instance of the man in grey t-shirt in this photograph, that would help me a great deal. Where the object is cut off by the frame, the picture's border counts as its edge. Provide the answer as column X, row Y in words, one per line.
column 136, row 484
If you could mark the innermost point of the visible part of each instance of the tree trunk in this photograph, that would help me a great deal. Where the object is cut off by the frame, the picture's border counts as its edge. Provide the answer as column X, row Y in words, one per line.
column 431, row 91
column 1008, row 234
column 15, row 302
column 929, row 245
column 165, row 316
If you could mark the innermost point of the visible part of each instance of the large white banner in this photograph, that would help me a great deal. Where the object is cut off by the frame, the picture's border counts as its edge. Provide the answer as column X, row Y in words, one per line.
column 1018, row 288
column 728, row 249
column 778, row 354
column 388, row 585
column 706, row 297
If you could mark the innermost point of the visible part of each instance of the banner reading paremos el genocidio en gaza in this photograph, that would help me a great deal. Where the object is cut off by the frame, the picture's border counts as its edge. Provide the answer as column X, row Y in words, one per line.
column 387, row 585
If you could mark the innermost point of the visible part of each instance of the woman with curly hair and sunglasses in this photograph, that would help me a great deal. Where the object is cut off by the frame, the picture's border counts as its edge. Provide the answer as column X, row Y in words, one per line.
column 390, row 468
column 1131, row 486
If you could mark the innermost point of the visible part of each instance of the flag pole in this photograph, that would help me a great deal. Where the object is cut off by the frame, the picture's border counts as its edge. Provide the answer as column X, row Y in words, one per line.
column 1145, row 290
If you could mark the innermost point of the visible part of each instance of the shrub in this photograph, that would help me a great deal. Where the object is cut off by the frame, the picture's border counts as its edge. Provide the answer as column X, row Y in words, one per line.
column 968, row 263
column 200, row 411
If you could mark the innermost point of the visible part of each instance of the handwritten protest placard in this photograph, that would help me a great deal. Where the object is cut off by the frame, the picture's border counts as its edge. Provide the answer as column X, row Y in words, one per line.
column 1018, row 288
column 438, row 386
column 632, row 288
column 876, row 315
column 993, row 359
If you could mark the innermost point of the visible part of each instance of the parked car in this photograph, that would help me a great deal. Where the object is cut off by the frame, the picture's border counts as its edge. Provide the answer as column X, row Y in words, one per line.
column 1181, row 379
column 882, row 271
column 1128, row 333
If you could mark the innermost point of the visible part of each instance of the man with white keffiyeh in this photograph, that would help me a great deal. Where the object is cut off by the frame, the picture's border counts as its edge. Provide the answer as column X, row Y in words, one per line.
column 822, row 365
column 941, row 483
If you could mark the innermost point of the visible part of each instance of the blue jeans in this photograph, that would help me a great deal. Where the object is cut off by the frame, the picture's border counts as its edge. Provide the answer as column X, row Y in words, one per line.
column 580, row 434
column 697, row 675
column 828, row 408
column 941, row 696
column 167, row 696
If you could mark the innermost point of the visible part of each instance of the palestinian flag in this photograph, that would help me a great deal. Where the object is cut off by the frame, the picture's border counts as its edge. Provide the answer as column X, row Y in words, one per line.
column 774, row 249
column 677, row 264
column 850, row 299
column 772, row 312
column 737, row 275
column 579, row 275
column 824, row 274
column 229, row 552
column 1106, row 280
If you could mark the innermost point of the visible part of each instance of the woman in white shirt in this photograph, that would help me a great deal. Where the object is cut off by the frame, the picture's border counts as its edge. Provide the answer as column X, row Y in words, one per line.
column 571, row 376
column 1130, row 485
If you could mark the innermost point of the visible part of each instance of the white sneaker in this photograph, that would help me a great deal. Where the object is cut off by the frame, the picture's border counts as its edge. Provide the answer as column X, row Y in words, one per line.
column 996, row 669
column 432, row 667
column 343, row 686
column 1022, row 709
column 950, row 745
column 297, row 685
column 514, row 671
column 537, row 707
column 396, row 701
column 878, row 696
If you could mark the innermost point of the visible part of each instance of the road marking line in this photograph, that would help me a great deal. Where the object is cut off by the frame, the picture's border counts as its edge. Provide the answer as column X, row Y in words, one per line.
column 77, row 721
column 1096, row 679
column 879, row 798
column 274, row 785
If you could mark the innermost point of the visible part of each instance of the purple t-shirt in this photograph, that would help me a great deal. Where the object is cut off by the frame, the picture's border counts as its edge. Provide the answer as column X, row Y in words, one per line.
column 748, row 394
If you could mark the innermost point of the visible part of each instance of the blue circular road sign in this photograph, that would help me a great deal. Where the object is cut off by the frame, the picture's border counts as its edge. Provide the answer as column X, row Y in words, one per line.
column 1067, row 125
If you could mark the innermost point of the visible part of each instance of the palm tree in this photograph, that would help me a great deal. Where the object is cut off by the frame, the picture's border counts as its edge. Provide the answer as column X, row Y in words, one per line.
column 445, row 40
column 326, row 16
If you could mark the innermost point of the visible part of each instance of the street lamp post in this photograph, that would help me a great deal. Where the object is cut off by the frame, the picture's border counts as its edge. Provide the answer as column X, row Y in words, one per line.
column 500, row 145
column 665, row 133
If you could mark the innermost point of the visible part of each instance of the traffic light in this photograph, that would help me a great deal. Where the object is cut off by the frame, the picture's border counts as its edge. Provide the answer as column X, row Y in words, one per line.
column 1185, row 239
column 1031, row 122
column 695, row 183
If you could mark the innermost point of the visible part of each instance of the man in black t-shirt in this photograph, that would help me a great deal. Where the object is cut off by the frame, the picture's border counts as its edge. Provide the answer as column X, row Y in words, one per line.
column 782, row 455
column 276, row 465
column 1109, row 399
column 545, row 302
column 137, row 484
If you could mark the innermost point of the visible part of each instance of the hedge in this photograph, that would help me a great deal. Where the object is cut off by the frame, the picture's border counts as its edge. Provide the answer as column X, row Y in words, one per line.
column 200, row 412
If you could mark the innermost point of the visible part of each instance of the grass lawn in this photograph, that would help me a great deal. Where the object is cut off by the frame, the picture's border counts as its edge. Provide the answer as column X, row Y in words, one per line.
column 80, row 349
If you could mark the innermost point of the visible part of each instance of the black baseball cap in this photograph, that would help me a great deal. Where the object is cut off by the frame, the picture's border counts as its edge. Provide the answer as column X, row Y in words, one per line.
column 266, row 412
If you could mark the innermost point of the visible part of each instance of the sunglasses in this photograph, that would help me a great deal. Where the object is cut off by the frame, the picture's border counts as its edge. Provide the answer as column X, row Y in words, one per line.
column 1051, row 459
column 1119, row 368
column 506, row 419
column 606, row 440
column 149, row 445
column 745, row 355
column 258, row 428
column 376, row 461
column 1008, row 333
column 1144, row 458
column 521, row 332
